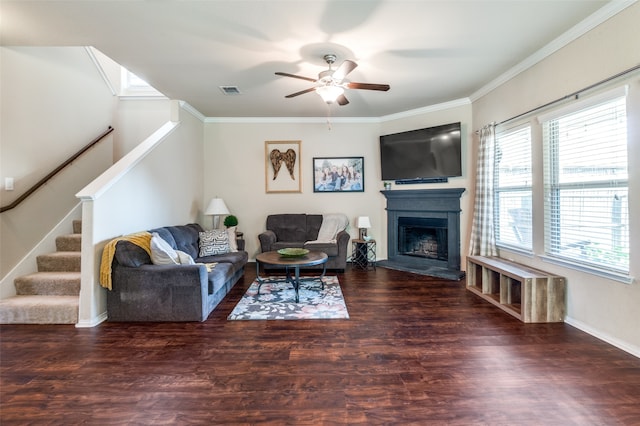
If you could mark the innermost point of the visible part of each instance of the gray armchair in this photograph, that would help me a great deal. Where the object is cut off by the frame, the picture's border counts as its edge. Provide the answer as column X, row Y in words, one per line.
column 301, row 231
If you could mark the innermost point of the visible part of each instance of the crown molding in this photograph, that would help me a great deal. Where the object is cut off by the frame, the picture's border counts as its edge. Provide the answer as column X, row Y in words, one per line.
column 297, row 120
column 341, row 120
column 191, row 110
column 428, row 109
column 601, row 15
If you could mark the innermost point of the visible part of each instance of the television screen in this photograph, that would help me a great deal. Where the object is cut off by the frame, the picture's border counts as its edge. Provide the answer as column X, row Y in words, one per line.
column 433, row 152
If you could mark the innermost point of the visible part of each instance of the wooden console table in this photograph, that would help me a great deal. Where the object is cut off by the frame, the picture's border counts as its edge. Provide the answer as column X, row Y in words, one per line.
column 526, row 293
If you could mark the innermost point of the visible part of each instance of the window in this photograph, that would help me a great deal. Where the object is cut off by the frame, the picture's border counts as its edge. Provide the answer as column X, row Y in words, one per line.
column 512, row 186
column 586, row 197
column 132, row 85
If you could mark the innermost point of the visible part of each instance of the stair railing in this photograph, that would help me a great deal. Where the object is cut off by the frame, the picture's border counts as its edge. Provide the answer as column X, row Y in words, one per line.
column 45, row 179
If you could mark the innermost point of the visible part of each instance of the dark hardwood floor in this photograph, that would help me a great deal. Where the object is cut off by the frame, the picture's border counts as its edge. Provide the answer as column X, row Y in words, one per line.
column 416, row 350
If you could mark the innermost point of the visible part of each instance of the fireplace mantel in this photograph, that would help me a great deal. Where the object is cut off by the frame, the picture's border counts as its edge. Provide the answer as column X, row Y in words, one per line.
column 424, row 203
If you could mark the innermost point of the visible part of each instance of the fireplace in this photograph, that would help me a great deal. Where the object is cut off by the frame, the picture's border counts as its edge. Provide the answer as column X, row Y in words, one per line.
column 423, row 232
column 423, row 237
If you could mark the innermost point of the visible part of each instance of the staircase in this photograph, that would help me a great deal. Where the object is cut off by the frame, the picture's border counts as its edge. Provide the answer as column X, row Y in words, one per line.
column 49, row 296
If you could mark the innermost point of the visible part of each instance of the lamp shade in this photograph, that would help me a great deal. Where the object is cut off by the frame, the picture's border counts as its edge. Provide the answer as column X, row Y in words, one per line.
column 364, row 222
column 216, row 207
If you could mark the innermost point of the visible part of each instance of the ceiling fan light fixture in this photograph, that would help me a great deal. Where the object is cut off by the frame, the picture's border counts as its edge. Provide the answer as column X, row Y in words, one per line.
column 329, row 93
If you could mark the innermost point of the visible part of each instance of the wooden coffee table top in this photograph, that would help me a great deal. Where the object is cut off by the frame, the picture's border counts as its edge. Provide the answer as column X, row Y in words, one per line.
column 309, row 259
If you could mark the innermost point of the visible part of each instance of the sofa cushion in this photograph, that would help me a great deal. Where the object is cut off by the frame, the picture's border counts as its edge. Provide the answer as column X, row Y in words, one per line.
column 331, row 249
column 219, row 275
column 131, row 255
column 287, row 244
column 314, row 222
column 214, row 241
column 288, row 227
column 238, row 259
column 186, row 238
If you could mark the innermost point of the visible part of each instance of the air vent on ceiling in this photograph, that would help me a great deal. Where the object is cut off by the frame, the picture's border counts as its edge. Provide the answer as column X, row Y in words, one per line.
column 230, row 90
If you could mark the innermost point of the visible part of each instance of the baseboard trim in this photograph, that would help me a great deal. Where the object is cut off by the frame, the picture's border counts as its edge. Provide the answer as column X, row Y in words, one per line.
column 93, row 322
column 633, row 350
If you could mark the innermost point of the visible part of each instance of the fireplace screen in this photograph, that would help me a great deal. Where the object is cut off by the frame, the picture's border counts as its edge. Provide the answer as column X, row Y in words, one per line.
column 423, row 237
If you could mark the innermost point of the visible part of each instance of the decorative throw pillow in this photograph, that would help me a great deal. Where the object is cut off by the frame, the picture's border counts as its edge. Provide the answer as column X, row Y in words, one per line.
column 215, row 241
column 233, row 244
column 163, row 254
column 185, row 258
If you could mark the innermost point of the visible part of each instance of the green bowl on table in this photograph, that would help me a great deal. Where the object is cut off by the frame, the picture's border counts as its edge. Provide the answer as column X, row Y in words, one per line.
column 292, row 252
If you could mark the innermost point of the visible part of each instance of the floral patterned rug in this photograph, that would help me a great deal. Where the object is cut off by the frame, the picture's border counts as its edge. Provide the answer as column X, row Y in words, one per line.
column 277, row 301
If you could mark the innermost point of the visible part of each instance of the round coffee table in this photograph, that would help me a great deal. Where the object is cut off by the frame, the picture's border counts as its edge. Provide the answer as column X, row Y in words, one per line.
column 275, row 259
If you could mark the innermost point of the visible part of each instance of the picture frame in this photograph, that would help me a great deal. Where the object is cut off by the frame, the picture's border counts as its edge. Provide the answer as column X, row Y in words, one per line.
column 338, row 174
column 282, row 166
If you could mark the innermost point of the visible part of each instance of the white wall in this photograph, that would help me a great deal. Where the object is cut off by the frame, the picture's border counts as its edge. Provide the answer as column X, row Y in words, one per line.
column 235, row 169
column 603, row 307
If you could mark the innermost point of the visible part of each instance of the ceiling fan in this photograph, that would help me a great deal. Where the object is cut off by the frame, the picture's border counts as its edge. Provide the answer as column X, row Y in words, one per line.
column 330, row 83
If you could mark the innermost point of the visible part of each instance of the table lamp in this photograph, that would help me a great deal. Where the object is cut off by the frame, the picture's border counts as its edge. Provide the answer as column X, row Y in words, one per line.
column 363, row 223
column 216, row 208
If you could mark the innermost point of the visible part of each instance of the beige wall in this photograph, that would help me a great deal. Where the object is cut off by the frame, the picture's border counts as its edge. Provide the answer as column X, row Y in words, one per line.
column 234, row 156
column 603, row 307
column 135, row 120
column 54, row 100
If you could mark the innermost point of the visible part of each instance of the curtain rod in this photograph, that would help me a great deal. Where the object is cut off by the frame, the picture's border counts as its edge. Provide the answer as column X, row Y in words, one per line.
column 575, row 95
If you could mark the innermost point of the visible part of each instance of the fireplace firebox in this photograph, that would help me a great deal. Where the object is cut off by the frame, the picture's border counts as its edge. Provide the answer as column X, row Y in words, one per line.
column 423, row 237
column 423, row 232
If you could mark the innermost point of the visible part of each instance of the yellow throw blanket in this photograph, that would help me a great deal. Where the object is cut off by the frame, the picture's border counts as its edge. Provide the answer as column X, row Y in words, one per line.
column 141, row 239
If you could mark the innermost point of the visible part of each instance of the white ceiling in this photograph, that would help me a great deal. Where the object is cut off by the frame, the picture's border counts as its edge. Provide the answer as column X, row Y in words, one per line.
column 430, row 52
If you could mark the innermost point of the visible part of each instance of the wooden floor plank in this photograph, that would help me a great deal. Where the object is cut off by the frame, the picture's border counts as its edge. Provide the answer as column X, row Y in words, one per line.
column 416, row 350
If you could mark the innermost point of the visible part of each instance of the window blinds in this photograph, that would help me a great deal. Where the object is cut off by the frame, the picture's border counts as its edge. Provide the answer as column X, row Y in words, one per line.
column 513, row 180
column 585, row 175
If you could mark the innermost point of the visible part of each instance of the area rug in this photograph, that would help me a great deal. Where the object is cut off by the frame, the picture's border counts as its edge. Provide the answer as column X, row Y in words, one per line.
column 277, row 301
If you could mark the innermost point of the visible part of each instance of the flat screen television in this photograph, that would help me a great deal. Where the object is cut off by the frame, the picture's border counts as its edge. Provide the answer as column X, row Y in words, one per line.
column 432, row 154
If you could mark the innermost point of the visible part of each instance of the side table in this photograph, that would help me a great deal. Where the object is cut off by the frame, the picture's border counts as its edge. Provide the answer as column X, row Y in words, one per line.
column 363, row 254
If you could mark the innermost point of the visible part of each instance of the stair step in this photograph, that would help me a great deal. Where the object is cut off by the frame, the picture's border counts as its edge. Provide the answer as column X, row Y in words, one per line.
column 61, row 261
column 49, row 283
column 70, row 242
column 77, row 227
column 39, row 310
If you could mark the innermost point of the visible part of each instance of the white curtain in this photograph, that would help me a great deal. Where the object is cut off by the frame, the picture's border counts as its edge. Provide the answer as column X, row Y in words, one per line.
column 483, row 242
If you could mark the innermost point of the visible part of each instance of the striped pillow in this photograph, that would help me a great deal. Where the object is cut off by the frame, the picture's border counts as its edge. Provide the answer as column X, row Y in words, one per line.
column 215, row 241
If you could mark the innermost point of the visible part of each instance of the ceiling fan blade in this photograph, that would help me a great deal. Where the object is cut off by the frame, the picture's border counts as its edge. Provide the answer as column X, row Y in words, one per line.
column 302, row 92
column 345, row 68
column 284, row 74
column 368, row 86
column 342, row 100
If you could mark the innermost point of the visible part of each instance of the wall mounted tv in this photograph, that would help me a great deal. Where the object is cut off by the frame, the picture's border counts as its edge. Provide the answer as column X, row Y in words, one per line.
column 432, row 154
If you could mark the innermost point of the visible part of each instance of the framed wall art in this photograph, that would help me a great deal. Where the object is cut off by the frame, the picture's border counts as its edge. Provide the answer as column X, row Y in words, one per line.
column 338, row 174
column 282, row 166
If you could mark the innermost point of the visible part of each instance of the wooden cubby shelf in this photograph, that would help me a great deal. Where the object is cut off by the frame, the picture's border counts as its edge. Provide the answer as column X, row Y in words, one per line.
column 528, row 294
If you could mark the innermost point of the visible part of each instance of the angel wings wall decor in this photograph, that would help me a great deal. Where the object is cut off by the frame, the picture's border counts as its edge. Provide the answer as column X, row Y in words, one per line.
column 280, row 179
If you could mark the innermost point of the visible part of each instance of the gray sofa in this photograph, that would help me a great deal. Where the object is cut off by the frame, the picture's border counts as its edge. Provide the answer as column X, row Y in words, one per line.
column 142, row 291
column 299, row 230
